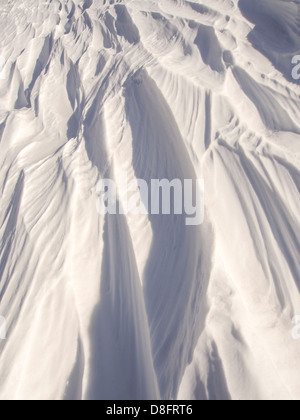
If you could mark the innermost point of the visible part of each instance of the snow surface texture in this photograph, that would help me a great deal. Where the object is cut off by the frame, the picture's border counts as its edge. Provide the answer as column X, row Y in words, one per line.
column 144, row 307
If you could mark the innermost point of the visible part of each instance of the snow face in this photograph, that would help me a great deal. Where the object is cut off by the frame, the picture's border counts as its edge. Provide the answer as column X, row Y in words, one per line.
column 142, row 306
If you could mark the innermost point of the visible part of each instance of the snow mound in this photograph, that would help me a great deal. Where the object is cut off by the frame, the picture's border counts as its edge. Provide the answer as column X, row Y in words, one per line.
column 143, row 306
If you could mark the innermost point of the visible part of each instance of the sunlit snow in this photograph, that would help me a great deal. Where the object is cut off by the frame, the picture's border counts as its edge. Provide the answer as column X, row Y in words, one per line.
column 143, row 306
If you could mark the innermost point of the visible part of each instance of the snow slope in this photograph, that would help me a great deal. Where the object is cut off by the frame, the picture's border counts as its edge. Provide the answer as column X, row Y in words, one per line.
column 137, row 306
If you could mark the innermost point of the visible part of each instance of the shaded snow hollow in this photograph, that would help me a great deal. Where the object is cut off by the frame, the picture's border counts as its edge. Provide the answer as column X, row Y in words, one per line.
column 145, row 307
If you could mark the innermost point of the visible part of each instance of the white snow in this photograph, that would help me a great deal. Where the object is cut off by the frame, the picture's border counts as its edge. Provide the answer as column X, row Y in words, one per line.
column 143, row 306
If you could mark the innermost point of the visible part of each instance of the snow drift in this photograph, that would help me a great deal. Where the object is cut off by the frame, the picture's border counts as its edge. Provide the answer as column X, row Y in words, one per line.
column 137, row 306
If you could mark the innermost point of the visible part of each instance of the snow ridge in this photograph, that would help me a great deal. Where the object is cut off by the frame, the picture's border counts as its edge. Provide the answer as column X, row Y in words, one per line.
column 145, row 307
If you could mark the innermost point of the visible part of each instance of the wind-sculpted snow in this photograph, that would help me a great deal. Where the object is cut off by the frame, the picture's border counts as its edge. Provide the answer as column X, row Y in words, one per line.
column 143, row 306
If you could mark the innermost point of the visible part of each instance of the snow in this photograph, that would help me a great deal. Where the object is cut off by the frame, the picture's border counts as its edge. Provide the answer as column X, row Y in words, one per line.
column 142, row 306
